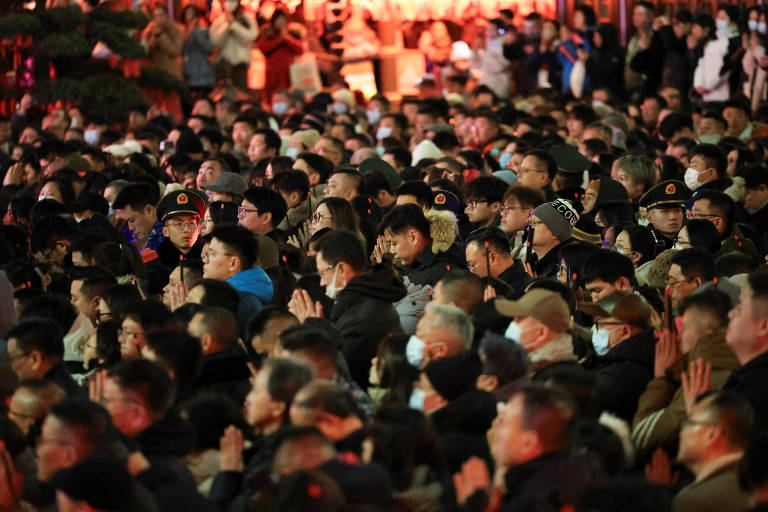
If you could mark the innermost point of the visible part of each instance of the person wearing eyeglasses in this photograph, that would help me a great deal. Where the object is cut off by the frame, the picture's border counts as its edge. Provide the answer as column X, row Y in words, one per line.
column 483, row 197
column 181, row 213
column 718, row 208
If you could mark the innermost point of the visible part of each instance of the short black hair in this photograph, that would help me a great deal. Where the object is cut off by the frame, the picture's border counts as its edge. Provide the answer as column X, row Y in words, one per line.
column 219, row 293
column 151, row 314
column 221, row 324
column 713, row 302
column 754, row 175
column 119, row 298
column 53, row 307
column 291, row 181
column 90, row 421
column 715, row 156
column 702, row 233
column 735, row 416
column 418, row 189
column 286, row 377
column 180, row 353
column 403, row 217
column 267, row 200
column 489, row 188
column 239, row 239
column 506, row 361
column 147, row 379
column 345, row 246
column 548, row 412
column 258, row 322
column 497, row 240
column 695, row 262
column 401, row 155
column 609, row 267
column 546, row 158
column 318, row 163
column 332, row 398
column 673, row 123
column 137, row 197
column 36, row 333
column 722, row 202
column 311, row 339
column 271, row 138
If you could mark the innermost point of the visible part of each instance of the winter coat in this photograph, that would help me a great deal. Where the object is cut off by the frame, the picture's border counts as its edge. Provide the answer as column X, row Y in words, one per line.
column 495, row 67
column 224, row 372
column 755, row 86
column 462, row 425
column 718, row 492
column 623, row 373
column 751, row 380
column 442, row 255
column 279, row 49
column 364, row 314
column 198, row 71
column 758, row 221
column 707, row 72
column 661, row 408
column 567, row 57
column 557, row 352
column 164, row 48
column 169, row 255
column 234, row 39
column 255, row 289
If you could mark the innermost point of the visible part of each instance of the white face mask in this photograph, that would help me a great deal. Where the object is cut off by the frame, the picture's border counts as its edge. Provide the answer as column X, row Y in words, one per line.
column 691, row 178
column 414, row 350
column 762, row 27
column 383, row 132
column 513, row 332
column 373, row 115
column 417, row 400
column 91, row 137
column 722, row 25
column 709, row 138
column 601, row 339
column 752, row 24
column 292, row 153
column 47, row 197
column 331, row 290
column 677, row 247
column 340, row 108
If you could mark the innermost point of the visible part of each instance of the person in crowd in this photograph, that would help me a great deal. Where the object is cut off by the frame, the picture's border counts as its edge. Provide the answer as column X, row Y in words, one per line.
column 233, row 32
column 689, row 269
column 196, row 51
column 489, row 254
column 664, row 211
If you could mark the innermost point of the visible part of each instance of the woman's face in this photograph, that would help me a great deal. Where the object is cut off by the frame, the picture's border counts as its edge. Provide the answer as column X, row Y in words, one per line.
column 89, row 352
column 50, row 189
column 374, row 375
column 207, row 225
column 623, row 245
column 320, row 219
column 683, row 240
column 102, row 312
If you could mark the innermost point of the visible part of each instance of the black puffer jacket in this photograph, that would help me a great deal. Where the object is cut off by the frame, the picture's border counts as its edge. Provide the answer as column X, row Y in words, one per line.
column 364, row 314
column 624, row 372
column 442, row 255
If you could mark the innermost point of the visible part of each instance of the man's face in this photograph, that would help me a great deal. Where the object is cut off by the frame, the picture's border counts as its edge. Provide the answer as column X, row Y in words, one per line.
column 504, row 433
column 737, row 120
column 22, row 409
column 55, row 449
column 208, row 174
column 666, row 220
column 28, row 136
column 325, row 147
column 21, row 362
column 691, row 330
column 82, row 303
column 481, row 211
column 122, row 407
column 402, row 246
column 259, row 406
column 742, row 333
column 533, row 172
column 257, row 149
column 476, row 259
column 672, row 96
column 680, row 285
column 241, row 134
column 649, row 111
column 695, row 432
column 702, row 209
column 174, row 278
column 543, row 238
column 183, row 231
column 341, row 186
column 700, row 164
column 250, row 217
column 202, row 108
column 265, row 342
column 139, row 222
column 486, row 130
column 514, row 216
column 218, row 262
column 599, row 289
column 755, row 198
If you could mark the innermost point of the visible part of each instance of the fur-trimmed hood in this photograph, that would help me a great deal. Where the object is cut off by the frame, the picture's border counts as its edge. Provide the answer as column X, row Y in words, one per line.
column 443, row 228
column 557, row 350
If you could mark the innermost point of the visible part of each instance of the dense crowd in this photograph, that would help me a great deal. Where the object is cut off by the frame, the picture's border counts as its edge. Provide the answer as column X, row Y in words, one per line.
column 537, row 287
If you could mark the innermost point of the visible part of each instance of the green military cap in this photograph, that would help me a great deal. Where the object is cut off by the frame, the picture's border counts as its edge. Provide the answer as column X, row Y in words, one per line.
column 568, row 159
column 376, row 164
column 667, row 194
column 181, row 202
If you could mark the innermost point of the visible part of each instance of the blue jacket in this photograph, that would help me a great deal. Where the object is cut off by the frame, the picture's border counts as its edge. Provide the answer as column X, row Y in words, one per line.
column 255, row 289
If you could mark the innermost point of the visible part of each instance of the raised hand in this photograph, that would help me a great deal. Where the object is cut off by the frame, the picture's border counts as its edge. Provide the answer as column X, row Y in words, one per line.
column 659, row 471
column 231, row 446
column 473, row 477
column 489, row 293
column 695, row 382
column 667, row 353
column 179, row 295
column 302, row 306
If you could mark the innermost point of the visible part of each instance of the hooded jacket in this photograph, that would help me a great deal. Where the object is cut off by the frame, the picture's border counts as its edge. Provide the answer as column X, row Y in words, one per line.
column 364, row 313
column 442, row 255
column 255, row 289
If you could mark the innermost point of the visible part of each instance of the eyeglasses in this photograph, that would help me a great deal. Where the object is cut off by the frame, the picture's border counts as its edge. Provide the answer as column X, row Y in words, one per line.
column 698, row 215
column 672, row 283
column 322, row 272
column 683, row 243
column 472, row 203
column 317, row 217
column 524, row 171
column 506, row 209
column 177, row 224
column 242, row 210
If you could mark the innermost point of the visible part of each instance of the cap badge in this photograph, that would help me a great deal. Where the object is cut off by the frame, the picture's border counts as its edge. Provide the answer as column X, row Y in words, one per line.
column 440, row 199
column 670, row 189
column 182, row 199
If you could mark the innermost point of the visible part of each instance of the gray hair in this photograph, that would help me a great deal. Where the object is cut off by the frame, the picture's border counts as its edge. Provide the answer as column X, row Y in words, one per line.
column 640, row 168
column 455, row 320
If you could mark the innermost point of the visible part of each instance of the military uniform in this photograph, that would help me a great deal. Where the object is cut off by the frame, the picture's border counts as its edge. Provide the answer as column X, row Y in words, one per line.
column 180, row 202
column 666, row 194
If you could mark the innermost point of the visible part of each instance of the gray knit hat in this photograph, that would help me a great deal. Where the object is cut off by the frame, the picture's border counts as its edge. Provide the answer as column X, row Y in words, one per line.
column 559, row 216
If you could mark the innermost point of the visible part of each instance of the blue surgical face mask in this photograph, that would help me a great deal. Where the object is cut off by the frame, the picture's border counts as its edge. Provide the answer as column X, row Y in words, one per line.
column 383, row 132
column 495, row 152
column 513, row 332
column 417, row 400
column 709, row 138
column 601, row 339
column 752, row 24
column 504, row 160
column 380, row 150
column 279, row 108
column 414, row 350
column 292, row 153
column 722, row 24
column 374, row 116
column 91, row 137
column 340, row 108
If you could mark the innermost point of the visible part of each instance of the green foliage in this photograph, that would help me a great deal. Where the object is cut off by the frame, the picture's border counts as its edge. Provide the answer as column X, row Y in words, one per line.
column 65, row 44
column 63, row 19
column 20, row 24
column 117, row 40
